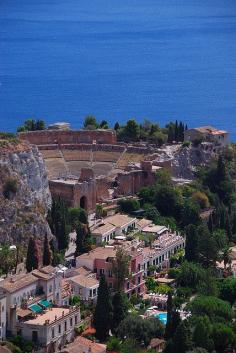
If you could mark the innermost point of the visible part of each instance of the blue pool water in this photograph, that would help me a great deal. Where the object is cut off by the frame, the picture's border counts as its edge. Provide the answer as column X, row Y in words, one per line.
column 162, row 317
column 175, row 59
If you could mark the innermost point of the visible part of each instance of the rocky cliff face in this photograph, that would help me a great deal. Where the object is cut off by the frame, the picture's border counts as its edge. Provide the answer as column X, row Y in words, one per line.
column 184, row 161
column 187, row 160
column 23, row 208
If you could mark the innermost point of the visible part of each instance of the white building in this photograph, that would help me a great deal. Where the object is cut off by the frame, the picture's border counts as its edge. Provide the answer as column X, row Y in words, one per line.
column 52, row 329
column 49, row 280
column 103, row 233
column 122, row 223
column 34, row 286
column 142, row 223
column 154, row 229
column 17, row 288
column 3, row 315
column 161, row 251
column 84, row 284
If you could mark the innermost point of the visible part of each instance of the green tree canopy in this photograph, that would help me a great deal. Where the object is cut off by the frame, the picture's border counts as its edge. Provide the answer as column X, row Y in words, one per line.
column 47, row 252
column 212, row 307
column 129, row 205
column 90, row 122
column 103, row 311
column 228, row 290
column 32, row 258
column 120, row 309
column 120, row 267
column 134, row 327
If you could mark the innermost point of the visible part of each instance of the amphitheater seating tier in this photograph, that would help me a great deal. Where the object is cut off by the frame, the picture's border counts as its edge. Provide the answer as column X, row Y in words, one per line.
column 56, row 167
column 51, row 153
column 76, row 155
column 70, row 161
column 129, row 157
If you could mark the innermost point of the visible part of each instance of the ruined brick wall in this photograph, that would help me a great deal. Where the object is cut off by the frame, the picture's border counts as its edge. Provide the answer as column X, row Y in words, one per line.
column 74, row 193
column 129, row 183
column 86, row 189
column 63, row 190
column 50, row 137
column 102, row 186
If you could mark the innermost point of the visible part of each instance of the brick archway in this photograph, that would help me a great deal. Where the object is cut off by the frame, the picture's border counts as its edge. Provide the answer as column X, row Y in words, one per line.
column 84, row 202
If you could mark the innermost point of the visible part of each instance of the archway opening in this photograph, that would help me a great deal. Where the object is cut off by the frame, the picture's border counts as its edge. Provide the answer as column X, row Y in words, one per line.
column 83, row 202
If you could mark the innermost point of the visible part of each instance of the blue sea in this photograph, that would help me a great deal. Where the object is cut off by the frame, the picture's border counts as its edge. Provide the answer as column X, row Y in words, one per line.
column 159, row 59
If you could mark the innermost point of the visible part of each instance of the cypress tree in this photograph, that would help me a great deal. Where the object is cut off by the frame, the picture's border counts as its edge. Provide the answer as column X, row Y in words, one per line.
column 120, row 308
column 116, row 126
column 176, row 131
column 182, row 337
column 191, row 246
column 173, row 318
column 83, row 239
column 210, row 223
column 103, row 311
column 47, row 253
column 168, row 330
column 32, row 259
column 228, row 227
column 233, row 222
column 62, row 234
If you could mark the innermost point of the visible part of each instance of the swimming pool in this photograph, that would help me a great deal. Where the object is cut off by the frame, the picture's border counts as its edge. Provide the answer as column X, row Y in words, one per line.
column 162, row 317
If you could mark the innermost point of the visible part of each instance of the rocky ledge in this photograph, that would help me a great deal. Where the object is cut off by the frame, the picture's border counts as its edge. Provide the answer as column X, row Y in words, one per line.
column 24, row 193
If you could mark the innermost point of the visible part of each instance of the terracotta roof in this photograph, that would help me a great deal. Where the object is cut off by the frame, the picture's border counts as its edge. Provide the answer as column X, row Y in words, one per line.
column 119, row 220
column 78, row 271
column 103, row 229
column 209, row 130
column 23, row 312
column 65, row 288
column 85, row 281
column 48, row 269
column 84, row 345
column 143, row 222
column 18, row 282
column 99, row 253
column 48, row 315
column 41, row 275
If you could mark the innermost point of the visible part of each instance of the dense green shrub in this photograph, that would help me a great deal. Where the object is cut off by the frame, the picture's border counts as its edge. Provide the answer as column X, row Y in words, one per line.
column 10, row 188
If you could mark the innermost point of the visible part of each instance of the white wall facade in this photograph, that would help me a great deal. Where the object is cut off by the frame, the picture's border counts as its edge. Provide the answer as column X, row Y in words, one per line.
column 3, row 317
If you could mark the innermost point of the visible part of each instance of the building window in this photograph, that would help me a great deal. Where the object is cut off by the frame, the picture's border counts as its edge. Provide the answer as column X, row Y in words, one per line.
column 139, row 280
column 90, row 293
column 95, row 270
column 110, row 285
column 109, row 273
column 65, row 325
column 71, row 322
column 94, row 291
column 2, row 307
column 59, row 328
column 50, row 289
column 76, row 320
column 127, row 285
column 139, row 267
column 53, row 333
column 101, row 271
column 35, row 336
